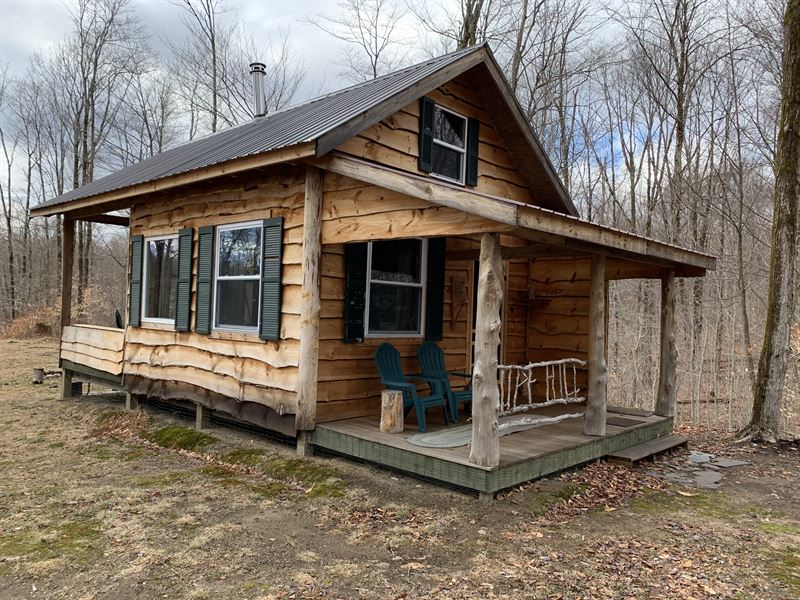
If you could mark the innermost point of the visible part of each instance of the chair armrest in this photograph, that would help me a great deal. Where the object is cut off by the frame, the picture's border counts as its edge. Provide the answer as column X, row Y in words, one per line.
column 399, row 385
column 423, row 378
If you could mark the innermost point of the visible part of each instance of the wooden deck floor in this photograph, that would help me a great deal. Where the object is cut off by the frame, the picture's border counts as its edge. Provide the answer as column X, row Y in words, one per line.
column 524, row 455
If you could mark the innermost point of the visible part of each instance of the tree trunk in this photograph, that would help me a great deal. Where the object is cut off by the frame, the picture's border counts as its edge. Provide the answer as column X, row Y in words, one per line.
column 765, row 422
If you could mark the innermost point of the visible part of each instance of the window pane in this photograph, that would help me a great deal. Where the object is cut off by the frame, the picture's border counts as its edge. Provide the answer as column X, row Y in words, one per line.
column 394, row 308
column 162, row 273
column 397, row 260
column 447, row 162
column 237, row 302
column 240, row 251
column 448, row 127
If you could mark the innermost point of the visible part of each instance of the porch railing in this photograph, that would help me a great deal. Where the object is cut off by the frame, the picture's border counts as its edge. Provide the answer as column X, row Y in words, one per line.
column 557, row 384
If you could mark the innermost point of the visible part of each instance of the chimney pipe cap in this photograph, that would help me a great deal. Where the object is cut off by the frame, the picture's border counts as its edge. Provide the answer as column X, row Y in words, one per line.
column 257, row 67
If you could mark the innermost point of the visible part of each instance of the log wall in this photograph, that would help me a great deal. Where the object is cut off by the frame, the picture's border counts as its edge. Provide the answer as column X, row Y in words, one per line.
column 234, row 365
column 99, row 348
column 395, row 141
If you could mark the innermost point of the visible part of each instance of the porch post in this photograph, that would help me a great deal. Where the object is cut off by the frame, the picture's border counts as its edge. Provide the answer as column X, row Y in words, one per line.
column 308, row 365
column 485, row 449
column 594, row 420
column 67, row 257
column 667, row 390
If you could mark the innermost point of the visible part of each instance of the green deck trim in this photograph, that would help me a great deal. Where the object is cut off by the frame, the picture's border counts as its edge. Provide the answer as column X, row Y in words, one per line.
column 84, row 372
column 484, row 480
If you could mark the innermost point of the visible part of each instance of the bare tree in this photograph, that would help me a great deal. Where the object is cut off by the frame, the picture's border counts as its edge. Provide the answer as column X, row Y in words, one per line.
column 369, row 29
column 772, row 366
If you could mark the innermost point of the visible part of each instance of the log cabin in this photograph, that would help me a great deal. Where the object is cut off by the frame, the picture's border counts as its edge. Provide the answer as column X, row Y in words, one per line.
column 269, row 261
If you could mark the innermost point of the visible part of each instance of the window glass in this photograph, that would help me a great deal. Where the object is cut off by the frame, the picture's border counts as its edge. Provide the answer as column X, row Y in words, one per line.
column 446, row 162
column 161, row 273
column 238, row 277
column 394, row 309
column 237, row 301
column 449, row 128
column 396, row 287
column 240, row 251
column 397, row 260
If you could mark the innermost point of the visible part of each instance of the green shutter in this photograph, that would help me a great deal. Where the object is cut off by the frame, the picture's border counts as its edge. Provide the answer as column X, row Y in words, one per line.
column 135, row 300
column 355, row 291
column 473, row 138
column 434, row 295
column 272, row 243
column 426, row 107
column 205, row 279
column 183, row 294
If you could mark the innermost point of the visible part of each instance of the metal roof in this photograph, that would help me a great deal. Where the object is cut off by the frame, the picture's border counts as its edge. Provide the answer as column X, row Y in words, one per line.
column 304, row 122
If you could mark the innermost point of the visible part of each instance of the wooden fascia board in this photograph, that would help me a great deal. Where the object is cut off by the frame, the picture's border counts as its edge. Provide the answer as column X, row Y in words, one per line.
column 530, row 222
column 341, row 133
column 120, row 220
column 524, row 125
column 231, row 167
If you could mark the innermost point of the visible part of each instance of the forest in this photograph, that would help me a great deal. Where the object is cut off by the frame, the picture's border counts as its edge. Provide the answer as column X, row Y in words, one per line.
column 660, row 116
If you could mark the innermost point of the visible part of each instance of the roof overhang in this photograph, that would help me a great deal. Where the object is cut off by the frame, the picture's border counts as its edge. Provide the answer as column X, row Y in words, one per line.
column 564, row 232
column 126, row 196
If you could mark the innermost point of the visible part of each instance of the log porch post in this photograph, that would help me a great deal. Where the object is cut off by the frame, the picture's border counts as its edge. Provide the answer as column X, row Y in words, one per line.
column 667, row 389
column 308, row 365
column 485, row 449
column 67, row 257
column 594, row 420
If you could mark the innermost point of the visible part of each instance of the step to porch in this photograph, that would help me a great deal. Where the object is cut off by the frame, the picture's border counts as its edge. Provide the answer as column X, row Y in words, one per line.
column 634, row 454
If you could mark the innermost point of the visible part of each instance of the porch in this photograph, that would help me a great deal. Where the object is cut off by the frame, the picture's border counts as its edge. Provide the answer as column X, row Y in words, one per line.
column 524, row 455
column 91, row 353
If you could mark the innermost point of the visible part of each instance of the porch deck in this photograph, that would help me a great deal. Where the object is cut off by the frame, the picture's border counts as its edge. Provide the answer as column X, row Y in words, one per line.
column 524, row 456
column 93, row 353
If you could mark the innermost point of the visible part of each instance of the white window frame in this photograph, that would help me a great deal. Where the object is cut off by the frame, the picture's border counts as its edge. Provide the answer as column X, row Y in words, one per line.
column 218, row 230
column 444, row 144
column 422, row 286
column 146, row 276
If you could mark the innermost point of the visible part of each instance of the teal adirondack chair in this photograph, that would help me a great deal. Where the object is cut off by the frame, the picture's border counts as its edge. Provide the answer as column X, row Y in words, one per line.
column 431, row 362
column 388, row 360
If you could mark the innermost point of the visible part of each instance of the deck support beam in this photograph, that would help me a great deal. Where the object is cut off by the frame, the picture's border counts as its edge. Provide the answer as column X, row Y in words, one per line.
column 667, row 388
column 594, row 420
column 131, row 401
column 485, row 448
column 202, row 417
column 310, row 303
column 66, row 384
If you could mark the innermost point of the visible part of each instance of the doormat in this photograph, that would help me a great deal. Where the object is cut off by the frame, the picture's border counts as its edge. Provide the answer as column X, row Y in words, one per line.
column 454, row 437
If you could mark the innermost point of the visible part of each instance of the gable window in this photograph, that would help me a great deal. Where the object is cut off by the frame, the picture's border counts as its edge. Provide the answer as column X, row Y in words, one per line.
column 237, row 276
column 395, row 292
column 449, row 144
column 160, row 276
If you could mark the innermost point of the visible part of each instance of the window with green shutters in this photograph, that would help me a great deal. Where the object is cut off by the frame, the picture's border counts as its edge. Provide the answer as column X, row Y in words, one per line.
column 448, row 143
column 239, row 278
column 394, row 288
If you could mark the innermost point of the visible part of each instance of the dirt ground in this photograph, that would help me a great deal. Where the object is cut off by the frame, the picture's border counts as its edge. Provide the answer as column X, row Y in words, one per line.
column 95, row 504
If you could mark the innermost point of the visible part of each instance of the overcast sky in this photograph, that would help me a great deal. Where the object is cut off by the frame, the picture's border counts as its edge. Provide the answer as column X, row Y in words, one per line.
column 30, row 25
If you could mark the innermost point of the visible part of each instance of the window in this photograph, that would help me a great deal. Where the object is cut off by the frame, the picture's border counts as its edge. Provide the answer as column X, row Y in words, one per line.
column 449, row 144
column 160, row 279
column 238, row 276
column 395, row 287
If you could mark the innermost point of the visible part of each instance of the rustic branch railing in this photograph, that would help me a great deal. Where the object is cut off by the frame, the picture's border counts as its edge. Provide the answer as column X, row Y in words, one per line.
column 518, row 382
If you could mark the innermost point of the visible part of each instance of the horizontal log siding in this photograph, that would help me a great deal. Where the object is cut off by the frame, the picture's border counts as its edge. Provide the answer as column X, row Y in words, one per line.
column 394, row 141
column 235, row 365
column 558, row 316
column 99, row 348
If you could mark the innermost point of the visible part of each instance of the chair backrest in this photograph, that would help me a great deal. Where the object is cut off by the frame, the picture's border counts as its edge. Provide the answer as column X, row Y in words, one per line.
column 431, row 360
column 387, row 358
column 118, row 319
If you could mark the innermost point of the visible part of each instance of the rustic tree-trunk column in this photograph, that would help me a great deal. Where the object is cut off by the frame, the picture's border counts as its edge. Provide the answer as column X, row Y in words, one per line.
column 667, row 389
column 485, row 449
column 308, row 365
column 594, row 420
column 67, row 256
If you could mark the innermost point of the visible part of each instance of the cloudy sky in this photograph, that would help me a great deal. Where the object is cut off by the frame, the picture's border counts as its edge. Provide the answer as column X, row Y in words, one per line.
column 30, row 25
